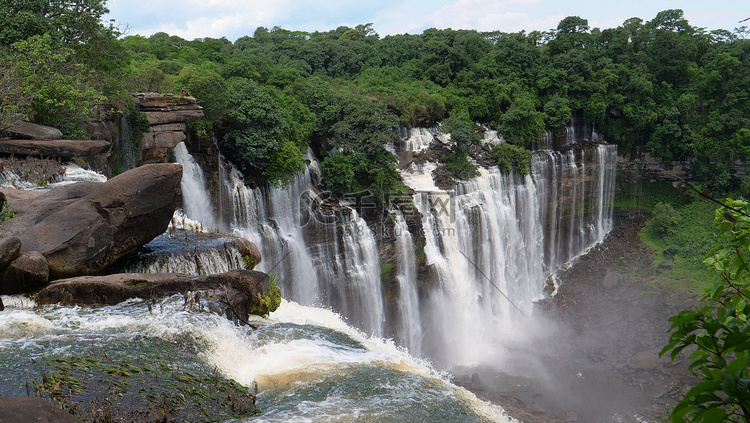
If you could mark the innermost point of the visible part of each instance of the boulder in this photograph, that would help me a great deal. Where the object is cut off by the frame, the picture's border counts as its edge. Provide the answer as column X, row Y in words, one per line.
column 26, row 273
column 82, row 228
column 10, row 249
column 28, row 130
column 66, row 149
column 248, row 249
column 2, row 306
column 32, row 409
column 233, row 293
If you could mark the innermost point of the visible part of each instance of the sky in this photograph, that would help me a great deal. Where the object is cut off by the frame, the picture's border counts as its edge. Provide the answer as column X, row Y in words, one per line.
column 233, row 19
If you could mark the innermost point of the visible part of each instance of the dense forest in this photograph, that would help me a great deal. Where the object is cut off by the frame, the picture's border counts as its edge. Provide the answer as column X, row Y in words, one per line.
column 660, row 86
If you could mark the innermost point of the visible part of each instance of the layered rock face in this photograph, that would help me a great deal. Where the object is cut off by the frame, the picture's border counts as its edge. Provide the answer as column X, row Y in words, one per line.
column 168, row 116
column 82, row 228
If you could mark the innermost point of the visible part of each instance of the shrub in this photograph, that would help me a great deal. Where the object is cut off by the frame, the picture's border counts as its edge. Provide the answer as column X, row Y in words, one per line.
column 510, row 157
column 665, row 219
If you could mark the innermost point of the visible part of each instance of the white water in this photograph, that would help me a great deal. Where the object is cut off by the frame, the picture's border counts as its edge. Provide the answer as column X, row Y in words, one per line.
column 196, row 200
column 419, row 139
column 310, row 364
column 326, row 261
column 409, row 324
column 73, row 173
column 492, row 241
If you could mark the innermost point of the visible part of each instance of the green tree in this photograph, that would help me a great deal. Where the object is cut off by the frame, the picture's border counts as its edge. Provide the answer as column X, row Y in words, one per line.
column 718, row 328
column 61, row 91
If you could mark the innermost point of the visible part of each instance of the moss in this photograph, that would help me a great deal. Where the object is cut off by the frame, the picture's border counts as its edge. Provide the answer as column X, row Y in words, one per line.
column 159, row 383
column 270, row 302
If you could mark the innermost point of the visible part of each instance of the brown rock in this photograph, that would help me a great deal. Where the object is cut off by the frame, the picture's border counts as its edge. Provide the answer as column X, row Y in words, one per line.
column 54, row 148
column 10, row 249
column 162, row 139
column 25, row 274
column 28, row 130
column 234, row 292
column 32, row 409
column 82, row 228
column 248, row 249
column 158, row 118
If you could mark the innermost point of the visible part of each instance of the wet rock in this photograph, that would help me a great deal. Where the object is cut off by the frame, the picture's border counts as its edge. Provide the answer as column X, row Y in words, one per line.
column 26, row 273
column 10, row 249
column 31, row 409
column 82, row 228
column 248, row 249
column 232, row 293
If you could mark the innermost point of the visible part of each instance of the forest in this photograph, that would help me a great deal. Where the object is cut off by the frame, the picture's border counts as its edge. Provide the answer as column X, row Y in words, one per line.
column 659, row 86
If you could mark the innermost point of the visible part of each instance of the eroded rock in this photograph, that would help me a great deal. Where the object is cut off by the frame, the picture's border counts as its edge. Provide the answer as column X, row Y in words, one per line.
column 233, row 293
column 82, row 228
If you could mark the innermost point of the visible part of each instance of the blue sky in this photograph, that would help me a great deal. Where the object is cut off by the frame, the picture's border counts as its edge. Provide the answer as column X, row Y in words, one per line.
column 192, row 19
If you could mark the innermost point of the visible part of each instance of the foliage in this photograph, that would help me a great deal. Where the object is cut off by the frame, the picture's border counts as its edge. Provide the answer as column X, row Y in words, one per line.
column 7, row 211
column 511, row 157
column 717, row 329
column 285, row 164
column 59, row 89
column 271, row 301
column 461, row 129
column 665, row 219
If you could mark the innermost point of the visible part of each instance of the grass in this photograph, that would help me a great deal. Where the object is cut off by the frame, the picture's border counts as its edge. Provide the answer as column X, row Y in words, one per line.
column 687, row 242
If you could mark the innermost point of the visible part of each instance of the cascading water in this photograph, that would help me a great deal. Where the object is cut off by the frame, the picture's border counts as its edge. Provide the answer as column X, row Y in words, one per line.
column 309, row 364
column 196, row 201
column 492, row 241
column 409, row 325
column 418, row 139
column 328, row 263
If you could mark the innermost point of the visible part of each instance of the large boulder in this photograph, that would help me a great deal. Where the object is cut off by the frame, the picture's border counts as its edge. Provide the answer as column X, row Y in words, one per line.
column 27, row 273
column 32, row 409
column 82, row 228
column 233, row 293
column 28, row 130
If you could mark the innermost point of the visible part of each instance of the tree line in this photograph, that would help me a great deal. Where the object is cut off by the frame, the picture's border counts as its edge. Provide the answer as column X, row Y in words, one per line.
column 661, row 86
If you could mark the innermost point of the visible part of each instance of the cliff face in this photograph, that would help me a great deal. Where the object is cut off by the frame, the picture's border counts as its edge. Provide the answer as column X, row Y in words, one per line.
column 168, row 116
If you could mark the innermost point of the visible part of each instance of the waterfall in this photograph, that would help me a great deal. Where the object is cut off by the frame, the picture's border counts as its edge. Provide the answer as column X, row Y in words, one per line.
column 491, row 242
column 409, row 326
column 323, row 261
column 419, row 139
column 196, row 201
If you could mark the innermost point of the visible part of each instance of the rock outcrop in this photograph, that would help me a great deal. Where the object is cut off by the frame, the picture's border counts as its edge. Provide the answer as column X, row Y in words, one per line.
column 82, row 228
column 27, row 130
column 57, row 148
column 233, row 293
column 168, row 116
